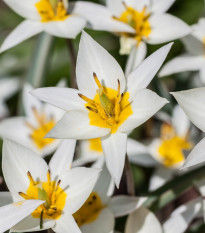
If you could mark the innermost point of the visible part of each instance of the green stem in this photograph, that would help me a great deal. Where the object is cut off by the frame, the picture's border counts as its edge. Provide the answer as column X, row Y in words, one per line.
column 171, row 190
column 40, row 60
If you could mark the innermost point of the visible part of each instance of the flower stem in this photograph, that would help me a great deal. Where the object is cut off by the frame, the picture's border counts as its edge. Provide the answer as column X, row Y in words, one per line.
column 40, row 60
column 72, row 53
column 129, row 177
column 174, row 188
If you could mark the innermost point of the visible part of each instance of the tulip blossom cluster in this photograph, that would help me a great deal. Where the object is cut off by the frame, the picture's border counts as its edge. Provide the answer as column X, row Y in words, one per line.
column 93, row 141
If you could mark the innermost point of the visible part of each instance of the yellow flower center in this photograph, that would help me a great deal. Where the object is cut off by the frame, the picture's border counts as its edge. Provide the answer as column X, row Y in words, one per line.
column 137, row 20
column 51, row 10
column 95, row 145
column 89, row 211
column 172, row 146
column 44, row 126
column 51, row 193
column 109, row 108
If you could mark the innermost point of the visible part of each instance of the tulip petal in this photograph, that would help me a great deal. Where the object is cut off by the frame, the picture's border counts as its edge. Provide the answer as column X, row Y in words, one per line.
column 166, row 27
column 63, row 158
column 94, row 58
column 192, row 102
column 114, row 148
column 161, row 6
column 23, row 31
column 6, row 198
column 143, row 75
column 76, row 125
column 11, row 214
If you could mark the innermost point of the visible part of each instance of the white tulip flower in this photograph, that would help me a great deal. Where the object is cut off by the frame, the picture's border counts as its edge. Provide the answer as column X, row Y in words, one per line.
column 45, row 196
column 31, row 129
column 193, row 104
column 51, row 16
column 136, row 22
column 107, row 105
column 194, row 59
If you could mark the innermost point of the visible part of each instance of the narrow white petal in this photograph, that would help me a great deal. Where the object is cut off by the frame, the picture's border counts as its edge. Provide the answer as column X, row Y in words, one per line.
column 136, row 57
column 160, row 176
column 5, row 198
column 30, row 224
column 25, row 8
column 182, row 64
column 8, row 86
column 141, row 221
column 193, row 45
column 139, row 154
column 144, row 105
column 64, row 98
column 104, row 223
column 76, row 125
column 114, row 148
column 11, row 214
column 66, row 224
column 183, row 216
column 23, row 31
column 100, row 18
column 202, row 75
column 17, row 161
column 196, row 156
column 115, row 6
column 161, row 6
column 78, row 183
column 102, row 185
column 63, row 157
column 94, row 58
column 143, row 75
column 192, row 102
column 123, row 205
column 68, row 28
column 166, row 27
column 180, row 121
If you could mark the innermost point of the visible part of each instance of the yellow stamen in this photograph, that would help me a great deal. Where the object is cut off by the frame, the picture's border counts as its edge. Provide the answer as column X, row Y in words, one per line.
column 97, row 80
column 95, row 145
column 51, row 10
column 138, row 21
column 31, row 178
column 49, row 177
column 86, row 99
column 25, row 196
column 90, row 210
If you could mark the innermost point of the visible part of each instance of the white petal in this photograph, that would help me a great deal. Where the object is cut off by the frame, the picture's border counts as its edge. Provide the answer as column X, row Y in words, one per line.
column 4, row 111
column 8, row 86
column 5, row 198
column 17, row 161
column 104, row 223
column 68, row 28
column 76, row 125
column 160, row 176
column 25, row 8
column 180, row 121
column 114, row 148
column 15, row 212
column 64, row 98
column 94, row 58
column 193, row 103
column 123, row 205
column 139, row 154
column 182, row 64
column 66, row 223
column 23, row 31
column 115, row 6
column 143, row 75
column 102, row 185
column 126, row 45
column 161, row 6
column 193, row 45
column 144, row 105
column 141, row 221
column 196, row 156
column 198, row 29
column 30, row 224
column 135, row 58
column 182, row 217
column 78, row 183
column 100, row 17
column 63, row 157
column 202, row 75
column 166, row 27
